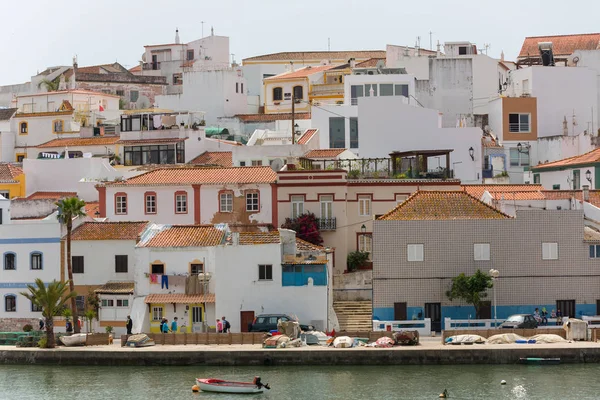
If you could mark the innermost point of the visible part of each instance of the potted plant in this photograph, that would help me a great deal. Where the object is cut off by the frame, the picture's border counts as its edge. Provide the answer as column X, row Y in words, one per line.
column 356, row 259
column 353, row 173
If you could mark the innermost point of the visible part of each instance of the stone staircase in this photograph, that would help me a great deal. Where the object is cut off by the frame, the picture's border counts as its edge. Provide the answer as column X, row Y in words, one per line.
column 354, row 315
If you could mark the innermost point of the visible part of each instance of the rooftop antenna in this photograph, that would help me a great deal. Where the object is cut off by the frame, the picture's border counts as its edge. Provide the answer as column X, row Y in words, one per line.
column 232, row 58
column 202, row 22
column 486, row 46
column 176, row 35
column 430, row 40
column 212, row 31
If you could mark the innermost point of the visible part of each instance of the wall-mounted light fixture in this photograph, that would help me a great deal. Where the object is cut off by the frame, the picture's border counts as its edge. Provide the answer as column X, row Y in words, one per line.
column 523, row 148
column 363, row 228
column 472, row 153
column 588, row 176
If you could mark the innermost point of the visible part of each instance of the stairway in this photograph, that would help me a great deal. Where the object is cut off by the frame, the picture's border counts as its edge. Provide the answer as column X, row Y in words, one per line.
column 354, row 315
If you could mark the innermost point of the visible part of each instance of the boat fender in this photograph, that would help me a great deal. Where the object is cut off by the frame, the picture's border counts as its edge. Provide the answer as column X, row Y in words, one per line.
column 195, row 388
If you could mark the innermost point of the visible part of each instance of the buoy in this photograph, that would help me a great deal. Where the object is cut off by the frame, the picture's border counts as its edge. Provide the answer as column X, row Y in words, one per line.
column 503, row 382
column 195, row 389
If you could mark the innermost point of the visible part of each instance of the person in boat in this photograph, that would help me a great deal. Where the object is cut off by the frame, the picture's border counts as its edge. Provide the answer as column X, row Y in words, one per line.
column 69, row 326
column 259, row 384
column 129, row 325
column 174, row 325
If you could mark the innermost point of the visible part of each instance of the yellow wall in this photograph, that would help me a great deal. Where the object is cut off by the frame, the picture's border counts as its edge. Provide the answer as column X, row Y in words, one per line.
column 15, row 189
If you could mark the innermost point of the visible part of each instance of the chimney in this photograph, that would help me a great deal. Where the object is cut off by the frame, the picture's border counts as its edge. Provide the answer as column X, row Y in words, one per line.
column 586, row 193
column 438, row 49
column 177, row 36
column 75, row 66
column 291, row 66
column 352, row 63
column 502, row 56
column 235, row 238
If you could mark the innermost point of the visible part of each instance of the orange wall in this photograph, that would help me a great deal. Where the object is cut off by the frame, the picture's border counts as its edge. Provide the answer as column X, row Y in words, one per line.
column 519, row 105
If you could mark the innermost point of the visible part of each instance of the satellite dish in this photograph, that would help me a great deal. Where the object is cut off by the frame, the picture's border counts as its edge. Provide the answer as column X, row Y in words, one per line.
column 277, row 164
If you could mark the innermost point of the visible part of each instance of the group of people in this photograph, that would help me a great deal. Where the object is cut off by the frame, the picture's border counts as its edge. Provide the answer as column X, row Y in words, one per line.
column 223, row 326
column 69, row 325
column 166, row 328
column 542, row 318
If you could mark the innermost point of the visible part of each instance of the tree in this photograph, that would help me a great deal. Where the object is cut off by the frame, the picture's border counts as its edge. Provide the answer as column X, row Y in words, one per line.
column 50, row 85
column 68, row 209
column 306, row 227
column 52, row 299
column 471, row 289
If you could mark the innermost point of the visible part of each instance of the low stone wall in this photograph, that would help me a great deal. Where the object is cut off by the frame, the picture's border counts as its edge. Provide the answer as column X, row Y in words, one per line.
column 17, row 324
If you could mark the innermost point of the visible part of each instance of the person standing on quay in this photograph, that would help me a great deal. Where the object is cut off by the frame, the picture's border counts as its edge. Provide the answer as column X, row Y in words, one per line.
column 219, row 326
column 129, row 325
column 226, row 326
column 174, row 325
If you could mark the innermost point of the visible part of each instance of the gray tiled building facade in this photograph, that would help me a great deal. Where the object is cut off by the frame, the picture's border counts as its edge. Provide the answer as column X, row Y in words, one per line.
column 526, row 281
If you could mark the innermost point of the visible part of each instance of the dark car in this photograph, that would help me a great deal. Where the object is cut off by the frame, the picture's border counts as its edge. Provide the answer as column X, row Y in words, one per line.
column 268, row 322
column 520, row 321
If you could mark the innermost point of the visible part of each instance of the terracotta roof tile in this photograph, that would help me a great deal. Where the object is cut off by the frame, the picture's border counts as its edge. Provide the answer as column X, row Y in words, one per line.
column 526, row 195
column 442, row 205
column 478, row 190
column 91, row 207
column 271, row 117
column 303, row 245
column 179, row 298
column 9, row 173
column 149, row 141
column 114, row 287
column 72, row 142
column 137, row 68
column 319, row 55
column 371, row 62
column 124, row 230
column 301, row 73
column 324, row 153
column 198, row 175
column 182, row 236
column 587, row 158
column 7, row 113
column 562, row 45
column 50, row 195
column 591, row 235
column 304, row 139
column 70, row 91
column 220, row 158
column 247, row 238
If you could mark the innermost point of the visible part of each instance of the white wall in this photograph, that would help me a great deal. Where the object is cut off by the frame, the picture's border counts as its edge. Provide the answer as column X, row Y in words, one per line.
column 565, row 178
column 320, row 120
column 266, row 153
column 397, row 79
column 255, row 73
column 591, row 59
column 554, row 148
column 99, row 260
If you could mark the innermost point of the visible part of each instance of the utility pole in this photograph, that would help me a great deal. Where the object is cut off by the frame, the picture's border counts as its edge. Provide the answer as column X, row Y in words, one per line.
column 430, row 40
column 293, row 116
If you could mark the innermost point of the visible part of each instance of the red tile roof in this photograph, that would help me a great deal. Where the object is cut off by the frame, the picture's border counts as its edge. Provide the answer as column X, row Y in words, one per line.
column 562, row 45
column 91, row 207
column 301, row 73
column 371, row 62
column 50, row 195
column 318, row 56
column 182, row 236
column 442, row 205
column 587, row 158
column 113, row 287
column 248, row 238
column 71, row 91
column 271, row 117
column 478, row 190
column 198, row 175
column 220, row 158
column 149, row 141
column 71, row 142
column 526, row 195
column 179, row 298
column 137, row 68
column 124, row 230
column 324, row 153
column 304, row 139
column 9, row 173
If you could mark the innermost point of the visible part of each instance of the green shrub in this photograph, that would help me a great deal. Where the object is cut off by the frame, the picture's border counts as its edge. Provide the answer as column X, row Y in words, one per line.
column 43, row 342
column 27, row 328
column 355, row 259
column 353, row 174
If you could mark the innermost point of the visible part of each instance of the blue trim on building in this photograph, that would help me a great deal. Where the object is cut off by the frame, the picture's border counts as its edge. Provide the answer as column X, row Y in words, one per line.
column 30, row 240
column 16, row 285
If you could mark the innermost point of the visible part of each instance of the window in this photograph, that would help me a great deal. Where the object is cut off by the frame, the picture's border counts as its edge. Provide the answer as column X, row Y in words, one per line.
column 122, row 303
column 242, row 163
column 326, row 206
column 5, row 194
column 134, row 95
column 462, row 51
column 252, row 201
column 518, row 159
column 36, row 260
column 226, row 202
column 298, row 92
column 196, row 269
column 549, row 251
column 401, row 90
column 80, row 304
column 77, row 264
column 256, row 163
column 121, row 263
column 121, row 203
column 297, row 205
column 365, row 243
column 155, row 154
column 386, row 89
column 371, row 90
column 157, row 313
column 58, row 126
column 108, row 303
column 23, row 128
column 237, row 87
column 180, row 203
column 36, row 307
column 353, row 133
column 242, row 86
column 10, row 303
column 595, row 251
column 150, row 203
column 20, row 157
column 190, row 55
column 356, row 91
column 537, row 179
column 364, row 206
column 10, row 261
column 277, row 94
column 518, row 123
column 481, row 252
column 177, row 79
column 265, row 272
column 158, row 269
column 337, row 132
column 120, row 93
column 414, row 252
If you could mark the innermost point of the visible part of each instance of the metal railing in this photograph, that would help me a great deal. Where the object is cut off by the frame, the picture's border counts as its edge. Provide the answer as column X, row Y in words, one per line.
column 421, row 325
column 518, row 127
column 151, row 66
column 320, row 88
column 327, row 224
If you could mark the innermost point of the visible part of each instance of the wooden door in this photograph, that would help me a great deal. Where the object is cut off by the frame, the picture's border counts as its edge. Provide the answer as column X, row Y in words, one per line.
column 246, row 318
column 485, row 310
column 434, row 311
column 400, row 312
column 597, row 307
column 567, row 307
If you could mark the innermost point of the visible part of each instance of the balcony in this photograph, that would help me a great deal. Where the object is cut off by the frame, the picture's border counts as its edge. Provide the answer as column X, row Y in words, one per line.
column 327, row 224
column 333, row 89
column 151, row 66
column 517, row 127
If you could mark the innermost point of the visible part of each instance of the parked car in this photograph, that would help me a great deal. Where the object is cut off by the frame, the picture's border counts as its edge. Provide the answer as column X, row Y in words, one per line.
column 268, row 322
column 520, row 321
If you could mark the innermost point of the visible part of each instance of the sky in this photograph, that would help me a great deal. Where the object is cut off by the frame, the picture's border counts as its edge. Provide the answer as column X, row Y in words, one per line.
column 37, row 34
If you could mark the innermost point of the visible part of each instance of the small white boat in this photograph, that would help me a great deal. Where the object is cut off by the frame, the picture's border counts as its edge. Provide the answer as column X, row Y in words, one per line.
column 77, row 339
column 343, row 342
column 140, row 340
column 221, row 386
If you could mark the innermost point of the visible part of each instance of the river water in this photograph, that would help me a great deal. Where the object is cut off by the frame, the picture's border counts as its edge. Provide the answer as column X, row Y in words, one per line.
column 313, row 383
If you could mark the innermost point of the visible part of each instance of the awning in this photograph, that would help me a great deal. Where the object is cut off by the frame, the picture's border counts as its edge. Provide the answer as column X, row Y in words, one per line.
column 213, row 130
column 116, row 288
column 179, row 298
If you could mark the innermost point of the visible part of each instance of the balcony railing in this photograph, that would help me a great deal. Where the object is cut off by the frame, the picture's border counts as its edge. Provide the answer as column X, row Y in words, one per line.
column 322, row 89
column 151, row 66
column 327, row 224
column 518, row 127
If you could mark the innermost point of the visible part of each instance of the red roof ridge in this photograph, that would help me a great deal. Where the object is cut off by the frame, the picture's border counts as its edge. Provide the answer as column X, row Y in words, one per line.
column 569, row 34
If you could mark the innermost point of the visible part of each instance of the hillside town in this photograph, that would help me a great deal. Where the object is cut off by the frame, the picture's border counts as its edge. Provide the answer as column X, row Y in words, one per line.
column 345, row 188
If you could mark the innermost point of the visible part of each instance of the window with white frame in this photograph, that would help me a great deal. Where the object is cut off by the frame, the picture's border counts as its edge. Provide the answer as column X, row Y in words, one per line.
column 256, row 163
column 595, row 251
column 36, row 260
column 364, row 206
column 122, row 303
column 121, row 204
column 549, row 251
column 252, row 201
column 365, row 243
column 108, row 303
column 157, row 313
column 151, row 203
column 297, row 206
column 518, row 158
column 181, row 203
column 481, row 251
column 226, row 202
column 519, row 123
column 58, row 125
column 326, row 201
column 265, row 272
column 414, row 252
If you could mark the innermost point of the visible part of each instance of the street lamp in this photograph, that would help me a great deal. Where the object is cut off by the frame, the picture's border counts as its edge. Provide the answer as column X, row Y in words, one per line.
column 363, row 228
column 472, row 153
column 588, row 176
column 494, row 273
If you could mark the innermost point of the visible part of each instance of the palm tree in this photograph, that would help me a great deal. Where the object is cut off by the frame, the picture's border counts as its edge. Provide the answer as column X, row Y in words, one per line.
column 50, row 85
column 70, row 208
column 52, row 299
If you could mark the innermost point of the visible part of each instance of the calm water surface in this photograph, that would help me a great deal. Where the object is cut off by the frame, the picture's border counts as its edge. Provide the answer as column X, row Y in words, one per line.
column 314, row 383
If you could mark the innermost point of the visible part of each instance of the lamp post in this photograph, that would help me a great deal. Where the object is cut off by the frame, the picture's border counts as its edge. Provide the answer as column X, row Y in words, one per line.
column 494, row 273
column 472, row 153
